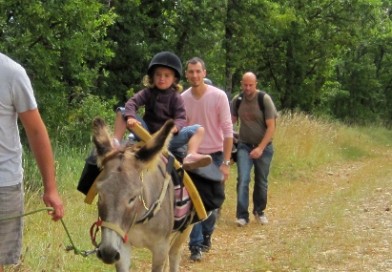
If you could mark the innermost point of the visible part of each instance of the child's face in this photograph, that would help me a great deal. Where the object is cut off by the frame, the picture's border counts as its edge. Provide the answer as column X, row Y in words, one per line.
column 163, row 78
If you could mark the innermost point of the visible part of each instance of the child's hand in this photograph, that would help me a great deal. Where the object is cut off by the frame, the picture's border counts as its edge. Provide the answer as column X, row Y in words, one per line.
column 131, row 122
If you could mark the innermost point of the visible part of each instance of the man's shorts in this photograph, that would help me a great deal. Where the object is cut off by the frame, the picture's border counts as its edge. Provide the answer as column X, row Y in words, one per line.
column 11, row 204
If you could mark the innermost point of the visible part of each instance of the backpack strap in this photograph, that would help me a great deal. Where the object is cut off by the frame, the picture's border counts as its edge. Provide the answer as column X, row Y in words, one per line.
column 260, row 99
column 238, row 102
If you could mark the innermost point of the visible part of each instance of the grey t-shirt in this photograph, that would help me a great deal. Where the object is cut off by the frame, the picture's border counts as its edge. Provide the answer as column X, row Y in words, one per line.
column 16, row 96
column 252, row 124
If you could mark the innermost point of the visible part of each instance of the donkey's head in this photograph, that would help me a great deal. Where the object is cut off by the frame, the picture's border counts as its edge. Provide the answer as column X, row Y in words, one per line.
column 120, row 185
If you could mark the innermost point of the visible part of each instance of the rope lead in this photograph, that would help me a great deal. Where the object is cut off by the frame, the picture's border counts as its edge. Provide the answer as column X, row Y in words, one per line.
column 76, row 251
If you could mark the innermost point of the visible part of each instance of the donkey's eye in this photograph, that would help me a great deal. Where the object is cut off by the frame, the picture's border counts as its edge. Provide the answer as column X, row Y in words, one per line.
column 131, row 200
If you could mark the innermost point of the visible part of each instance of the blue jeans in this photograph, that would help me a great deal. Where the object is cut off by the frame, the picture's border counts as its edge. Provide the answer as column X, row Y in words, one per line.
column 207, row 226
column 261, row 171
column 182, row 137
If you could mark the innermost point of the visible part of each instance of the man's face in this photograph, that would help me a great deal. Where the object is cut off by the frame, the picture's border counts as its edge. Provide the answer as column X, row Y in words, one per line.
column 195, row 74
column 249, row 85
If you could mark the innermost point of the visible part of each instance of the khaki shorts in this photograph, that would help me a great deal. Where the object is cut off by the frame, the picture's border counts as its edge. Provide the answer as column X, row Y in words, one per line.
column 11, row 204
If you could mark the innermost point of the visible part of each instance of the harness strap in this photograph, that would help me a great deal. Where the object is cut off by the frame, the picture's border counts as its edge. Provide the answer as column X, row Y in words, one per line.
column 99, row 223
column 116, row 229
column 156, row 206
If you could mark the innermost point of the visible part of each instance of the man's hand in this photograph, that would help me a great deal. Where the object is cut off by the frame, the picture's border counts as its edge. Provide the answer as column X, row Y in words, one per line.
column 53, row 200
column 225, row 170
column 256, row 153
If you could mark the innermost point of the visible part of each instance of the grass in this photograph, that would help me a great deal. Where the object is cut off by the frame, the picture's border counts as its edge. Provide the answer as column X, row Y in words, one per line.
column 328, row 208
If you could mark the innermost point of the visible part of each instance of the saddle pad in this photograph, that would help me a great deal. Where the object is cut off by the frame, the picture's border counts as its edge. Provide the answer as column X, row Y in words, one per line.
column 182, row 207
column 210, row 172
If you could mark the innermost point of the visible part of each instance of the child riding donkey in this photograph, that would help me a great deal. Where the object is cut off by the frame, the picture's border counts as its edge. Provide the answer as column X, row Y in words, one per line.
column 162, row 101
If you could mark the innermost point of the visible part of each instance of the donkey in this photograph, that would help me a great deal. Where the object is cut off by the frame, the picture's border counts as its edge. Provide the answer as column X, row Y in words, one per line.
column 136, row 201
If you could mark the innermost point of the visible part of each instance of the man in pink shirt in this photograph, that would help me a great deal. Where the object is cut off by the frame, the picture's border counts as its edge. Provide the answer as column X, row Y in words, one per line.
column 208, row 106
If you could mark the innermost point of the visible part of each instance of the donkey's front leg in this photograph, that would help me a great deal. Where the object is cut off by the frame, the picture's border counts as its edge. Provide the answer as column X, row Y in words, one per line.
column 177, row 240
column 160, row 256
column 124, row 264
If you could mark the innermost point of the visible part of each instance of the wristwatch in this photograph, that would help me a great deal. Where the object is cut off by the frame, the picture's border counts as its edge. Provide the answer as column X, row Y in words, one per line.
column 227, row 163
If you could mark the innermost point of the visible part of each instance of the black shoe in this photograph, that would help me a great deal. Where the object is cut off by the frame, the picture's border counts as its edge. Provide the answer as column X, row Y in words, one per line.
column 195, row 253
column 206, row 243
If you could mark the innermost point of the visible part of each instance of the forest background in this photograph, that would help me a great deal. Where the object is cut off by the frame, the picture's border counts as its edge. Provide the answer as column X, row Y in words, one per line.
column 329, row 58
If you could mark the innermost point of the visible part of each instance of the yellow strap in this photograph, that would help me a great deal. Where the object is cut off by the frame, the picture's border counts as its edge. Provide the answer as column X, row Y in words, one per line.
column 92, row 192
column 193, row 194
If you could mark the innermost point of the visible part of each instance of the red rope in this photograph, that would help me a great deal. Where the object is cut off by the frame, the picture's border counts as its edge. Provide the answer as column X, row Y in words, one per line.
column 94, row 230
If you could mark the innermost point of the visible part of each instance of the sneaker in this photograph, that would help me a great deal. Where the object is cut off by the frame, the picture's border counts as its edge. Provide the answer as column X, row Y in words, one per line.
column 262, row 219
column 192, row 161
column 195, row 253
column 206, row 243
column 241, row 222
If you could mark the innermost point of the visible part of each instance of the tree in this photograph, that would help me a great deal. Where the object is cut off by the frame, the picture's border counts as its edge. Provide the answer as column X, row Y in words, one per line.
column 322, row 57
column 62, row 46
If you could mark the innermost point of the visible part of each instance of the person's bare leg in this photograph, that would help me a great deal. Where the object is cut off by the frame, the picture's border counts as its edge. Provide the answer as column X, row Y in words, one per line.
column 193, row 159
column 120, row 127
column 195, row 140
column 1, row 268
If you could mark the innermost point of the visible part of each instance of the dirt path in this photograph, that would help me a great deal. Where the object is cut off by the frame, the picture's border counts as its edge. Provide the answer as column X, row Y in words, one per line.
column 337, row 219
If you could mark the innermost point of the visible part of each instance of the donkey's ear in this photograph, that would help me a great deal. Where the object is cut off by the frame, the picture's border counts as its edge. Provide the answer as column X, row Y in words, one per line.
column 157, row 143
column 101, row 137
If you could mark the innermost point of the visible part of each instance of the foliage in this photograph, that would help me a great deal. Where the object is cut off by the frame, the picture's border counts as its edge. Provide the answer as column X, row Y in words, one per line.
column 325, row 58
column 76, row 129
column 63, row 48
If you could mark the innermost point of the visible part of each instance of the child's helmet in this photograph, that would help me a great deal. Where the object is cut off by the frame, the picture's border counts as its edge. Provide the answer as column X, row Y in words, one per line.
column 166, row 59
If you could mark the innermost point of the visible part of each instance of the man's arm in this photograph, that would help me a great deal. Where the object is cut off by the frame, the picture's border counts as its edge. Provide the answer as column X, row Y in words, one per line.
column 269, row 133
column 227, row 148
column 227, row 129
column 40, row 145
column 258, row 151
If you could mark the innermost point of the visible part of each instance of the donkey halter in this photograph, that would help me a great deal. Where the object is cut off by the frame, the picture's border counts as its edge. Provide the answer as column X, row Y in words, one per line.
column 154, row 208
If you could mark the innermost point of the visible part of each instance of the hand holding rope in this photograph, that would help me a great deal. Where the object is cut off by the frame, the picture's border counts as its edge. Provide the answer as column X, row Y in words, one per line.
column 77, row 251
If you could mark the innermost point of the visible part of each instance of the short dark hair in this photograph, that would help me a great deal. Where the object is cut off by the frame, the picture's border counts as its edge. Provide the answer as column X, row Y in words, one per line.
column 195, row 60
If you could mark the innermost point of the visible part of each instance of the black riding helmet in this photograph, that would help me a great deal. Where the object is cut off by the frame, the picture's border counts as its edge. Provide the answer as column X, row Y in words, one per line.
column 166, row 59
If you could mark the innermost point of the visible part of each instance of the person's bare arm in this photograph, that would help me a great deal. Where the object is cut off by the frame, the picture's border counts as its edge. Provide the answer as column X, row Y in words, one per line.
column 41, row 147
column 227, row 148
column 258, row 151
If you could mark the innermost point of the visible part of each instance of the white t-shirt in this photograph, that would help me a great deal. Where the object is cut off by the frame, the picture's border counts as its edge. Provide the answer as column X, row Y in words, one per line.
column 16, row 96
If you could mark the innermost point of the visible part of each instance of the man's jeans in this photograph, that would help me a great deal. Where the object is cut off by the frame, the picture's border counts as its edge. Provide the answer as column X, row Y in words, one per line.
column 207, row 226
column 261, row 170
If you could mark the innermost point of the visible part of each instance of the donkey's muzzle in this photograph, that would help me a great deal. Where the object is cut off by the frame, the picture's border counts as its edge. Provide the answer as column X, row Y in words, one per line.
column 108, row 255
